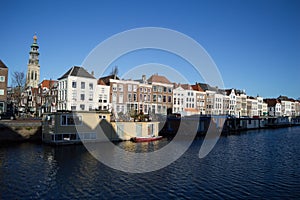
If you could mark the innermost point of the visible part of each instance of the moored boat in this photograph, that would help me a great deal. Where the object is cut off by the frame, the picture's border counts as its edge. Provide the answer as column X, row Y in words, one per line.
column 146, row 139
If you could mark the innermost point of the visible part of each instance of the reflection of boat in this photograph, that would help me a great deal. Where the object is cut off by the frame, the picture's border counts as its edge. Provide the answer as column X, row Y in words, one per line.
column 146, row 139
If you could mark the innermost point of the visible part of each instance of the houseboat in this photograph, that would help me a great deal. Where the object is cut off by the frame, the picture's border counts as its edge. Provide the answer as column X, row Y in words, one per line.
column 71, row 127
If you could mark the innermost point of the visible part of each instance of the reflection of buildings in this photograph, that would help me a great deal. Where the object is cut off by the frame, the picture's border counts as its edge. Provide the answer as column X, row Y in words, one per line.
column 3, row 86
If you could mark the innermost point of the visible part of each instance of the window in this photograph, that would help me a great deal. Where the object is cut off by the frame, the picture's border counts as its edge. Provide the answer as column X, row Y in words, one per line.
column 134, row 97
column 141, row 97
column 134, row 88
column 120, row 98
column 82, row 97
column 1, row 107
column 154, row 88
column 121, row 88
column 154, row 98
column 82, row 85
column 91, row 94
column 170, row 90
column 159, row 89
column 91, row 86
column 82, row 106
column 164, row 98
column 114, row 87
column 129, row 88
column 100, row 98
column 69, row 120
column 159, row 98
column 74, row 84
column 2, row 78
column 129, row 97
column 73, row 107
column 74, row 95
column 169, row 99
column 1, row 91
column 114, row 98
column 165, row 89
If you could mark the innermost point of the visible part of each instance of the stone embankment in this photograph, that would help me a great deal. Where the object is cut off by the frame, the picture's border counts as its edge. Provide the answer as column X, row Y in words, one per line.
column 20, row 131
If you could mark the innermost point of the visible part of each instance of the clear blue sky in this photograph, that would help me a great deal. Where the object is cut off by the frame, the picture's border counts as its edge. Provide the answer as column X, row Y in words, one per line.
column 255, row 44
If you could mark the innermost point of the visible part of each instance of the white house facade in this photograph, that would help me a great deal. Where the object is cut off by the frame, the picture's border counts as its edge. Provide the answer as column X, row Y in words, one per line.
column 77, row 90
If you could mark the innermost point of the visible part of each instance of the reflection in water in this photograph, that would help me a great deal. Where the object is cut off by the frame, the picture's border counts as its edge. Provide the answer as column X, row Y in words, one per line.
column 257, row 164
column 142, row 147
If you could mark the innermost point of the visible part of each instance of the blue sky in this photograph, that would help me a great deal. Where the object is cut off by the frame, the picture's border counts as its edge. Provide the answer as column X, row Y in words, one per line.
column 255, row 44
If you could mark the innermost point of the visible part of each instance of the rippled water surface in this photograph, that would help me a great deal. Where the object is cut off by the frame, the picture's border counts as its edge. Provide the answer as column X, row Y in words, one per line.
column 255, row 164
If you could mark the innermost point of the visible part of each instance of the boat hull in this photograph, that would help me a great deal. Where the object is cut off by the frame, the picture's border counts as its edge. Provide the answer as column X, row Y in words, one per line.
column 146, row 139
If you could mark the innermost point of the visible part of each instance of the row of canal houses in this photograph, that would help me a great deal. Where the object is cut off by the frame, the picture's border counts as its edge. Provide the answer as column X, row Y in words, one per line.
column 79, row 90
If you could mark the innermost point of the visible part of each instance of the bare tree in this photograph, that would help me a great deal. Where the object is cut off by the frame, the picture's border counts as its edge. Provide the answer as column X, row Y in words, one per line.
column 114, row 71
column 18, row 85
column 18, row 79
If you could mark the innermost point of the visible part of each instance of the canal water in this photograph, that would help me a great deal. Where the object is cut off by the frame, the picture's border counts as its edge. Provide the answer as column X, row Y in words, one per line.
column 254, row 164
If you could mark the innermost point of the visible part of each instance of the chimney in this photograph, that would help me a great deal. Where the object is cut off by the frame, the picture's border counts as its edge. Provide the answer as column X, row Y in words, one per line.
column 144, row 78
column 92, row 73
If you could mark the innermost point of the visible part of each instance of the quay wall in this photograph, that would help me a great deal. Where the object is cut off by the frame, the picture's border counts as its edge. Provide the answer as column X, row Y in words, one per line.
column 231, row 125
column 20, row 131
column 31, row 130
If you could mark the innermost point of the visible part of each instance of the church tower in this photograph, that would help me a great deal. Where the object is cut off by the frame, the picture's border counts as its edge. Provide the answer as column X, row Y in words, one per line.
column 33, row 71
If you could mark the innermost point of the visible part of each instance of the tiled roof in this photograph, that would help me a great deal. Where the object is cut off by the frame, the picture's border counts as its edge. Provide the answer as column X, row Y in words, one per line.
column 48, row 83
column 100, row 82
column 105, row 79
column 77, row 71
column 197, row 88
column 155, row 78
column 186, row 86
column 2, row 65
column 271, row 102
column 205, row 87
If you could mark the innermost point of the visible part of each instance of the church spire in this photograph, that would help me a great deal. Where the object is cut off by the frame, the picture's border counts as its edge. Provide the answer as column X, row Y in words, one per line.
column 33, row 72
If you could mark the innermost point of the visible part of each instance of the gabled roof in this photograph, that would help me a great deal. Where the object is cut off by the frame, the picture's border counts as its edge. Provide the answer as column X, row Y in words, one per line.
column 197, row 88
column 77, row 71
column 155, row 78
column 106, row 79
column 48, row 83
column 100, row 82
column 186, row 86
column 228, row 91
column 2, row 65
column 206, row 86
column 271, row 102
